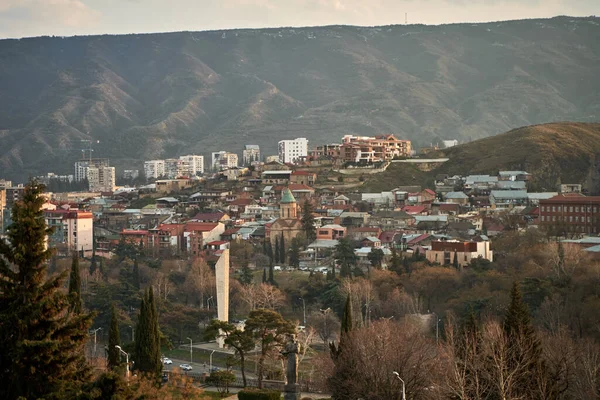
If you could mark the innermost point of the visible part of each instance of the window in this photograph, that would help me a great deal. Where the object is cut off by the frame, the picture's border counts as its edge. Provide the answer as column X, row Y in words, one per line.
column 543, row 208
column 553, row 209
column 576, row 209
column 577, row 219
column 571, row 209
column 553, row 218
column 570, row 218
column 595, row 209
column 542, row 218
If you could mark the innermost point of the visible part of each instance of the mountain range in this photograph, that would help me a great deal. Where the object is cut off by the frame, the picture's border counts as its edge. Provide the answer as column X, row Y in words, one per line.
column 145, row 96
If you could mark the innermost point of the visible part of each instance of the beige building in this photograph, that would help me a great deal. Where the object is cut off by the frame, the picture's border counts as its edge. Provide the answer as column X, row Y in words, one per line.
column 101, row 179
column 288, row 224
column 73, row 230
column 444, row 252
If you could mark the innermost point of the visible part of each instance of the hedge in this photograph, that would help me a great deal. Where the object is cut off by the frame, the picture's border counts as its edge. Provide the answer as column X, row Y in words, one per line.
column 259, row 394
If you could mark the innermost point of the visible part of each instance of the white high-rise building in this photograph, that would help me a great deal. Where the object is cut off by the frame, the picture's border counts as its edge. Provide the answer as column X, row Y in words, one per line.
column 101, row 179
column 81, row 167
column 223, row 160
column 293, row 151
column 195, row 164
column 154, row 169
column 251, row 153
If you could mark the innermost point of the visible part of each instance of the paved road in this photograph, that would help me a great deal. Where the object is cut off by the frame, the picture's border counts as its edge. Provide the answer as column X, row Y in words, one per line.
column 201, row 367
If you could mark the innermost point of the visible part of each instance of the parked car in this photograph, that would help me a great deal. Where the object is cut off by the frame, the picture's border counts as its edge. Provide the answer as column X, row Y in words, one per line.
column 277, row 268
column 186, row 367
column 167, row 361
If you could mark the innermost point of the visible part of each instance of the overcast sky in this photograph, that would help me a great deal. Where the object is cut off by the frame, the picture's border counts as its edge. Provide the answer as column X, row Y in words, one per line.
column 21, row 18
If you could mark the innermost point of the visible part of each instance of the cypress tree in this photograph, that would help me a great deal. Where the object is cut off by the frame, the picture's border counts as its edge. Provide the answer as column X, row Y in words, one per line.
column 94, row 263
column 455, row 261
column 308, row 221
column 75, row 285
column 41, row 343
column 346, row 318
column 264, row 279
column 271, row 276
column 114, row 356
column 276, row 255
column 282, row 257
column 136, row 275
column 147, row 337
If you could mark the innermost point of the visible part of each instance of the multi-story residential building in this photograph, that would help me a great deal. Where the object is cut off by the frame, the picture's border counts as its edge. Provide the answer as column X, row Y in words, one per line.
column 176, row 167
column 154, row 169
column 5, row 184
column 571, row 212
column 329, row 151
column 223, row 160
column 445, row 252
column 251, row 153
column 293, row 151
column 373, row 149
column 73, row 230
column 101, row 179
column 14, row 194
column 81, row 167
column 195, row 164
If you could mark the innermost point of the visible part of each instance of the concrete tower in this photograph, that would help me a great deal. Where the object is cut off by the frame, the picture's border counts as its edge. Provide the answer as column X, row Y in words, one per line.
column 222, row 280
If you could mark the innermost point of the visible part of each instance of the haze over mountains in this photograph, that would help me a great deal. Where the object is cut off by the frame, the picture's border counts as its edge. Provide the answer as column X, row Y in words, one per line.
column 161, row 95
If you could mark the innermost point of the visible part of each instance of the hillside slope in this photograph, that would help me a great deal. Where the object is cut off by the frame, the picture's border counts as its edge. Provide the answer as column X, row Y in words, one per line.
column 160, row 95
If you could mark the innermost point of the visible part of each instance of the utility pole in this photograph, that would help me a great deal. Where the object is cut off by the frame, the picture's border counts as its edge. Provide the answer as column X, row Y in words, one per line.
column 95, row 331
column 210, row 361
column 403, row 385
column 126, row 361
column 190, row 349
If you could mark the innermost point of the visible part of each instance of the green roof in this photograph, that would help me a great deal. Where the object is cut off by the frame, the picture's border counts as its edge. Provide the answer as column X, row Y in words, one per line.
column 287, row 197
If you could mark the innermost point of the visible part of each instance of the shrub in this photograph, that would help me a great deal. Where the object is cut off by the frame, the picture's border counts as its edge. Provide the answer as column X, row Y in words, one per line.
column 259, row 394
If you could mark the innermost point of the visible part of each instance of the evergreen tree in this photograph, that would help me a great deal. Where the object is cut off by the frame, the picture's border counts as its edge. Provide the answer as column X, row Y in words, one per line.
column 345, row 254
column 396, row 262
column 114, row 355
column 94, row 263
column 41, row 343
column 75, row 285
column 246, row 276
column 271, row 276
column 455, row 260
column 270, row 252
column 264, row 278
column 276, row 255
column 282, row 257
column 294, row 254
column 136, row 275
column 346, row 326
column 308, row 221
column 147, row 337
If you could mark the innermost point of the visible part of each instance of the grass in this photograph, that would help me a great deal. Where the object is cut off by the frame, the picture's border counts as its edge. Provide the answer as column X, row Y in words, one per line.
column 208, row 395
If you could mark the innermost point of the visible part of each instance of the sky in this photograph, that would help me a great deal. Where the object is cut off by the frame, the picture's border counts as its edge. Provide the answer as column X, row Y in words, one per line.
column 25, row 18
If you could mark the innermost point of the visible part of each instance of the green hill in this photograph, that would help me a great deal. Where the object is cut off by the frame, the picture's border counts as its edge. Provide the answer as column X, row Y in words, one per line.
column 162, row 95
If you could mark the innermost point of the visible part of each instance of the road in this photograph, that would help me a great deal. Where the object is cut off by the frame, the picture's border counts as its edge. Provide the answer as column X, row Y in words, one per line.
column 201, row 367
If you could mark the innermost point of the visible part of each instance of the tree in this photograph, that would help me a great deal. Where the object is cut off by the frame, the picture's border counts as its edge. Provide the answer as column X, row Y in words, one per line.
column 221, row 380
column 41, row 343
column 269, row 330
column 396, row 262
column 282, row 251
column 147, row 337
column 308, row 221
column 277, row 252
column 114, row 339
column 344, row 252
column 246, row 276
column 240, row 340
column 294, row 253
column 75, row 285
column 264, row 277
column 375, row 257
column 271, row 280
column 455, row 260
column 135, row 276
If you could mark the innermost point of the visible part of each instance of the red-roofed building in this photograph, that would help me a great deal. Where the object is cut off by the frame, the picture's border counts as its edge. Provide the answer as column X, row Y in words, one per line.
column 197, row 234
column 135, row 237
column 301, row 192
column 415, row 210
column 362, row 232
column 238, row 206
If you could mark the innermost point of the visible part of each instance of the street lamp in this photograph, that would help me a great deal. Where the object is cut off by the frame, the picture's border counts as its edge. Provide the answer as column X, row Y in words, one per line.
column 304, row 308
column 95, row 331
column 209, row 301
column 132, row 333
column 210, row 362
column 403, row 386
column 126, row 360
column 190, row 349
column 325, row 333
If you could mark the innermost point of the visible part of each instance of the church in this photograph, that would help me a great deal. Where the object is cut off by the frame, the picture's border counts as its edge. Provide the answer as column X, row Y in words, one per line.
column 288, row 224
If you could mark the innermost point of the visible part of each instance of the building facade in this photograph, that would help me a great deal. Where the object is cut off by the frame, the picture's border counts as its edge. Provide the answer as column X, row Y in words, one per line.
column 223, row 160
column 572, row 213
column 101, row 179
column 195, row 164
column 293, row 151
column 445, row 252
column 250, row 154
column 373, row 149
column 81, row 167
column 154, row 169
column 73, row 230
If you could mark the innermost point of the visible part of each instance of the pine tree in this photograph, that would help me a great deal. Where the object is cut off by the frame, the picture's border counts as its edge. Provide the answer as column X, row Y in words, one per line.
column 246, row 276
column 276, row 255
column 282, row 257
column 264, row 278
column 136, row 275
column 114, row 356
column 147, row 337
column 75, row 285
column 396, row 262
column 41, row 344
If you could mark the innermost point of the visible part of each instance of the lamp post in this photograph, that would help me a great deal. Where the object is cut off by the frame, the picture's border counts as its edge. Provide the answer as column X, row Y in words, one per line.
column 403, row 386
column 132, row 333
column 126, row 361
column 304, row 309
column 210, row 362
column 209, row 301
column 95, row 332
column 325, row 333
column 190, row 349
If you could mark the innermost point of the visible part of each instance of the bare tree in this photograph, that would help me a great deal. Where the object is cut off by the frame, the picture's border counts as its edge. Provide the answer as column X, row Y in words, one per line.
column 325, row 323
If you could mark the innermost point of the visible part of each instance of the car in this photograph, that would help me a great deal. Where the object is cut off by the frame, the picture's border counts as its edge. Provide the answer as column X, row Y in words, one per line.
column 167, row 361
column 186, row 367
column 215, row 369
column 277, row 268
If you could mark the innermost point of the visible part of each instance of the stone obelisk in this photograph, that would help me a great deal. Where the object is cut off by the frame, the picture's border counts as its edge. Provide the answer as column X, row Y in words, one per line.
column 222, row 280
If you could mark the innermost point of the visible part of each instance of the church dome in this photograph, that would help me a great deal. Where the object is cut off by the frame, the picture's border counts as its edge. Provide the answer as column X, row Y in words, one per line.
column 287, row 197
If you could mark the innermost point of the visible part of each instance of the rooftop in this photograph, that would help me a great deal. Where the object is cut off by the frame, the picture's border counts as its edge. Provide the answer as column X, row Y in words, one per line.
column 287, row 197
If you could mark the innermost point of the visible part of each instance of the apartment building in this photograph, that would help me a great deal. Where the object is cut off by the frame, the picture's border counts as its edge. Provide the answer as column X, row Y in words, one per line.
column 223, row 160
column 373, row 149
column 154, row 169
column 73, row 230
column 293, row 151
column 445, row 252
column 195, row 164
column 81, row 167
column 573, row 212
column 101, row 179
column 250, row 154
